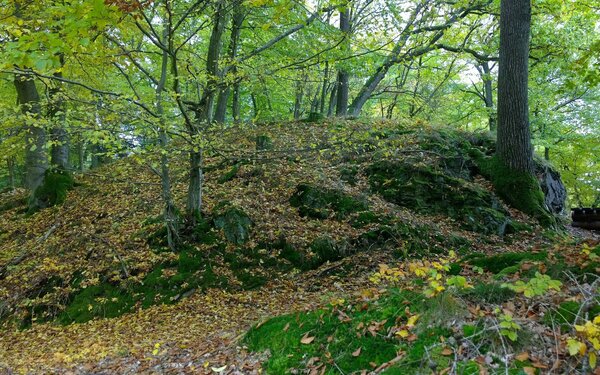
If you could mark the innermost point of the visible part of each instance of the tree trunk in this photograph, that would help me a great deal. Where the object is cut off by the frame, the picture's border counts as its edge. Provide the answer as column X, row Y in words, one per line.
column 212, row 62
column 332, row 100
column 36, row 161
column 59, row 154
column 81, row 155
column 324, row 88
column 194, row 197
column 170, row 218
column 236, row 103
column 299, row 97
column 343, row 75
column 488, row 94
column 236, row 28
column 10, row 163
column 514, row 136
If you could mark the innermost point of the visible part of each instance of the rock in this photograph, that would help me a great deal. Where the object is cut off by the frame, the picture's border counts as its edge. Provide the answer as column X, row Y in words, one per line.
column 431, row 192
column 555, row 193
column 234, row 223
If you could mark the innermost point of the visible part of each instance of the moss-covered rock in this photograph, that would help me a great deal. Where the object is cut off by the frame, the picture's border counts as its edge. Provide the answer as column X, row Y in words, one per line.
column 321, row 203
column 53, row 190
column 427, row 191
column 234, row 222
column 520, row 190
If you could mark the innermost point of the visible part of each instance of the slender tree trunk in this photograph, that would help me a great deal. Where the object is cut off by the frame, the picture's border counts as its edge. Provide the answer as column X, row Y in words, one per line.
column 343, row 79
column 59, row 154
column 488, row 94
column 236, row 28
column 514, row 136
column 236, row 103
column 332, row 101
column 10, row 163
column 299, row 96
column 169, row 210
column 36, row 161
column 324, row 88
column 212, row 61
column 194, row 196
column 81, row 155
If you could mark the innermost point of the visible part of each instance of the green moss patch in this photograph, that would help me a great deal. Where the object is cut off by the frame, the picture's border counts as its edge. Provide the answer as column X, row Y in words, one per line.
column 321, row 203
column 234, row 222
column 338, row 333
column 497, row 263
column 167, row 283
column 53, row 190
column 520, row 190
column 489, row 293
column 425, row 190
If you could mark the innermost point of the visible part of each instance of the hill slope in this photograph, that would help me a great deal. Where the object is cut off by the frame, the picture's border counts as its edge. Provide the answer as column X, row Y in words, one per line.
column 290, row 226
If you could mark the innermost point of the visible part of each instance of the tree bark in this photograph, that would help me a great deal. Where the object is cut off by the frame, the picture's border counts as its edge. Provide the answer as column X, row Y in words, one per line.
column 36, row 161
column 488, row 94
column 332, row 100
column 514, row 147
column 212, row 62
column 59, row 153
column 343, row 75
column 236, row 28
column 10, row 163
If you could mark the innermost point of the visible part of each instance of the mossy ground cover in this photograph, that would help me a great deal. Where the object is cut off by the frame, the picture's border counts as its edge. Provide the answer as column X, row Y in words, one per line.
column 345, row 338
column 427, row 191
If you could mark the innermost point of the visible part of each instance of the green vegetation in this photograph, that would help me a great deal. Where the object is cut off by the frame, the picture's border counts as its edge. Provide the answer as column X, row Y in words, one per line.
column 54, row 189
column 427, row 191
column 321, row 203
column 354, row 337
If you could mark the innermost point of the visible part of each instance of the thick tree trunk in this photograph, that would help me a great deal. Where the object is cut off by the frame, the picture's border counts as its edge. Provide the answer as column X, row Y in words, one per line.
column 36, row 161
column 514, row 136
column 343, row 78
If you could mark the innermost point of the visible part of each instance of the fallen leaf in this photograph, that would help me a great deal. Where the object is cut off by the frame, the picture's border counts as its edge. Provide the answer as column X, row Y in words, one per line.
column 447, row 351
column 287, row 326
column 306, row 339
column 529, row 370
column 522, row 357
column 356, row 353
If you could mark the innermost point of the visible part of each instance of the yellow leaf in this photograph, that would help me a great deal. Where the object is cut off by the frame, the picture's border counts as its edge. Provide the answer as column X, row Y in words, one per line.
column 403, row 333
column 592, row 358
column 412, row 320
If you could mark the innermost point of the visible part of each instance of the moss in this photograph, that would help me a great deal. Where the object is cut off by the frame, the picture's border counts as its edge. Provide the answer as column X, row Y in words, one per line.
column 234, row 222
column 497, row 263
column 165, row 284
column 281, row 335
column 521, row 190
column 53, row 190
column 564, row 315
column 489, row 293
column 321, row 203
column 349, row 175
column 425, row 190
column 229, row 175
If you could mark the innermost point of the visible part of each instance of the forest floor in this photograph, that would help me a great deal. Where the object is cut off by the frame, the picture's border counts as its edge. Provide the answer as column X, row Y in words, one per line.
column 88, row 287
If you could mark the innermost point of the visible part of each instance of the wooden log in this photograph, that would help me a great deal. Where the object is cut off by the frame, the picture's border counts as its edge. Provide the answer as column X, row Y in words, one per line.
column 594, row 225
